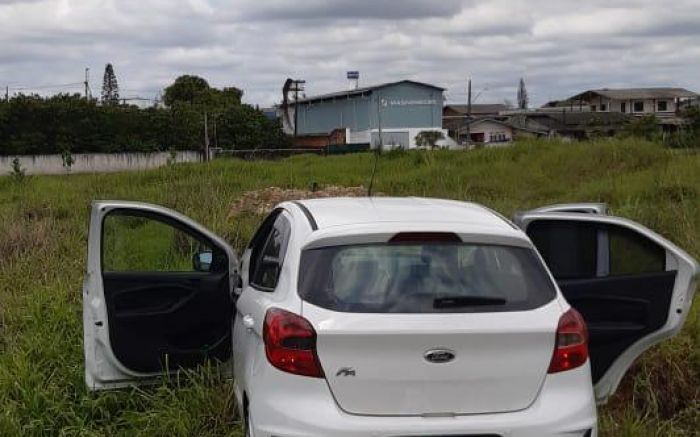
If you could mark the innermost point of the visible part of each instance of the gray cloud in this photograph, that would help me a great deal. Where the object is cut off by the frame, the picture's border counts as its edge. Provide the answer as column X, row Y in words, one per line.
column 559, row 47
column 353, row 9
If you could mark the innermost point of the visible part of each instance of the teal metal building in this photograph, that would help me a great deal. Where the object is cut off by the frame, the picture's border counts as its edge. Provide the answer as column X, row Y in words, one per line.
column 402, row 109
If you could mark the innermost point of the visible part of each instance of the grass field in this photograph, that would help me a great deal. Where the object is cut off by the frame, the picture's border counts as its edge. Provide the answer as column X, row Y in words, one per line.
column 43, row 230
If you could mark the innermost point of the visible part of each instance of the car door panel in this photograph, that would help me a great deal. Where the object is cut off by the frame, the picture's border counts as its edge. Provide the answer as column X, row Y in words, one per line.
column 138, row 324
column 632, row 286
column 159, row 320
column 619, row 311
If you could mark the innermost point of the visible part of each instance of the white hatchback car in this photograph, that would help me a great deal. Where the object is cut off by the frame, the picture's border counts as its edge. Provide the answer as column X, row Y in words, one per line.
column 387, row 316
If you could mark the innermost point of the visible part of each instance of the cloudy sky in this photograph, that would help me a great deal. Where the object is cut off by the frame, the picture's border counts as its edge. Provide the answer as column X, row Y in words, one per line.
column 559, row 47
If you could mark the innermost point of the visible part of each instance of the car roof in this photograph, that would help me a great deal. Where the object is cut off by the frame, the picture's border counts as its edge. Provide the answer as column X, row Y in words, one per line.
column 345, row 211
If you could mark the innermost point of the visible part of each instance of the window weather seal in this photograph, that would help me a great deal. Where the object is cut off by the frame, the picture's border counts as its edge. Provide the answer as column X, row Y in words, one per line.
column 307, row 213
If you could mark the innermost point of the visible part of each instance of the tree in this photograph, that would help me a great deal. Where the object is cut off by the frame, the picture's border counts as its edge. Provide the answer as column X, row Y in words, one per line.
column 187, row 89
column 429, row 138
column 646, row 127
column 110, row 87
column 523, row 98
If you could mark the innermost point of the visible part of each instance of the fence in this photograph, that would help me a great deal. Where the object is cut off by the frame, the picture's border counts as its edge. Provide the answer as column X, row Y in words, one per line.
column 96, row 162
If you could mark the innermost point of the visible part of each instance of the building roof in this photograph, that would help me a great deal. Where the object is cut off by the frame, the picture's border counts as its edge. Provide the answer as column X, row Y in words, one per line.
column 370, row 210
column 638, row 93
column 505, row 123
column 480, row 108
column 361, row 91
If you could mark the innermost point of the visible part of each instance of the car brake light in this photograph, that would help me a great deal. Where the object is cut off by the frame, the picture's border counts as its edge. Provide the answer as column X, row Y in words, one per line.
column 425, row 237
column 290, row 343
column 571, row 345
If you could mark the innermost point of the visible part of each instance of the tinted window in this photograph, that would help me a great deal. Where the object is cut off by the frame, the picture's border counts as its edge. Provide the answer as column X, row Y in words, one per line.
column 569, row 248
column 631, row 253
column 423, row 278
column 268, row 263
column 133, row 241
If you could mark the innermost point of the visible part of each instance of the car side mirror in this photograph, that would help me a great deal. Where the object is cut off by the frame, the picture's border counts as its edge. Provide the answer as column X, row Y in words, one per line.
column 201, row 261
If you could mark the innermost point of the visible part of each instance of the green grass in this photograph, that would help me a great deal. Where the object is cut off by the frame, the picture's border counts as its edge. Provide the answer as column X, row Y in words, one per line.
column 43, row 230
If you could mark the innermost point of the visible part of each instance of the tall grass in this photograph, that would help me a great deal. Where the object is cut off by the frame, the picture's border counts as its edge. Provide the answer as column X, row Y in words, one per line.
column 43, row 230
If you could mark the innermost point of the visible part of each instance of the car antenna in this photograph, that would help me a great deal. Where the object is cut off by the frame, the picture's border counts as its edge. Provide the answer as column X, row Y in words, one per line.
column 380, row 146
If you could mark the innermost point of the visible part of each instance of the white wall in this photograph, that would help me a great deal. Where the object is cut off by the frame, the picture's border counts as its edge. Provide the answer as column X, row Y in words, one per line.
column 95, row 162
column 488, row 128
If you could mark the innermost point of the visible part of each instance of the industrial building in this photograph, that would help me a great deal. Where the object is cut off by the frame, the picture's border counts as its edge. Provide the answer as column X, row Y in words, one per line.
column 401, row 109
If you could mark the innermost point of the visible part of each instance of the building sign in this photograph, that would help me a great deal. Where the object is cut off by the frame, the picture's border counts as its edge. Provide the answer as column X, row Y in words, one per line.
column 408, row 102
column 353, row 75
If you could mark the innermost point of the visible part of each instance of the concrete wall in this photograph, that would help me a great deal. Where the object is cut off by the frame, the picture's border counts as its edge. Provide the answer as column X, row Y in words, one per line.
column 95, row 162
column 406, row 138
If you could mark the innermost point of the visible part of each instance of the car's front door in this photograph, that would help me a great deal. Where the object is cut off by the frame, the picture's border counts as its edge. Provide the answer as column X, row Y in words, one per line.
column 633, row 287
column 157, row 295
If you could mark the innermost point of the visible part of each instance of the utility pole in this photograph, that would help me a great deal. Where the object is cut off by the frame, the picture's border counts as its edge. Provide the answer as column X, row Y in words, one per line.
column 87, row 83
column 298, row 85
column 7, row 94
column 206, row 138
column 469, row 112
column 379, row 123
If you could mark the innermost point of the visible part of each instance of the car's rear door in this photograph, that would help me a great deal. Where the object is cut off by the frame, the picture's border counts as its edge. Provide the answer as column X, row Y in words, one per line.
column 156, row 296
column 633, row 287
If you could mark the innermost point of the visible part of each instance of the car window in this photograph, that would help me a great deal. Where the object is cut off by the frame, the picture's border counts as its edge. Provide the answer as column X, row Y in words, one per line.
column 137, row 242
column 423, row 278
column 556, row 241
column 270, row 256
column 632, row 253
column 581, row 250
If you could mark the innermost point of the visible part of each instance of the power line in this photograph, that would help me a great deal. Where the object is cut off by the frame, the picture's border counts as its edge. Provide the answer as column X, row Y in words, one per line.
column 40, row 87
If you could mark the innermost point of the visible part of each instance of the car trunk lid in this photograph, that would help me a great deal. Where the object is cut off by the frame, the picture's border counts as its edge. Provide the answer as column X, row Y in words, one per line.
column 434, row 364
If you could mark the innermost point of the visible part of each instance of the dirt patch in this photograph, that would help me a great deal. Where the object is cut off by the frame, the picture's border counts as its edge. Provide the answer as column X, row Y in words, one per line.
column 262, row 201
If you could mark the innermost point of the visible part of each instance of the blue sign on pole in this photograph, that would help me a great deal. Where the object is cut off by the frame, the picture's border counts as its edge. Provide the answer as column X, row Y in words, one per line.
column 353, row 75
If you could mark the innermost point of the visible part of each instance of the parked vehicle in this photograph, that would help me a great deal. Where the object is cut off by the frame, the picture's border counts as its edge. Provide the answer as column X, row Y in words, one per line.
column 387, row 316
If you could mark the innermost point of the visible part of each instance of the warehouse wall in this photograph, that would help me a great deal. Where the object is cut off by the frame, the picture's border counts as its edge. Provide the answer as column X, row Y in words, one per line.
column 323, row 117
column 407, row 105
column 403, row 105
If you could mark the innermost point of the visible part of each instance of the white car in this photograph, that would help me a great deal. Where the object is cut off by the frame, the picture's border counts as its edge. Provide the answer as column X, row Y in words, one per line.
column 387, row 316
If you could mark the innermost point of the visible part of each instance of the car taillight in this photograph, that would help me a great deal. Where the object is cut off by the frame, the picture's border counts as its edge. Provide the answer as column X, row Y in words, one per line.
column 571, row 346
column 290, row 343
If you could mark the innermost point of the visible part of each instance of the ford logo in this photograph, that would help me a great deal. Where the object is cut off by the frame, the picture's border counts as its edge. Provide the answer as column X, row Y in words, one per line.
column 439, row 356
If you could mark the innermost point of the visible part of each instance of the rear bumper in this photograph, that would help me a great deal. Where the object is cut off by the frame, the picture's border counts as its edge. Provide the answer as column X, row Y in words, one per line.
column 288, row 406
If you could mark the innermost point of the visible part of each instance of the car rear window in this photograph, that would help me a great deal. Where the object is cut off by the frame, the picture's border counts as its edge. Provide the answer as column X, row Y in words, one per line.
column 424, row 278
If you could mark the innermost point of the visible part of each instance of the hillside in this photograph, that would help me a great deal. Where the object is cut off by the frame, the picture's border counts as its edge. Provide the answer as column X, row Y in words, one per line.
column 42, row 255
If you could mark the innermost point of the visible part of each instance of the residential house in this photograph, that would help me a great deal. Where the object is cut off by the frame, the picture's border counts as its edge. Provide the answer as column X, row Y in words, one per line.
column 661, row 102
column 492, row 132
column 454, row 117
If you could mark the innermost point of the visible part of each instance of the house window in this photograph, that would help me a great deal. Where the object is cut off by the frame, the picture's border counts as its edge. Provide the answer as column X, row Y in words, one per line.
column 603, row 107
column 593, row 108
column 638, row 107
column 662, row 106
column 623, row 107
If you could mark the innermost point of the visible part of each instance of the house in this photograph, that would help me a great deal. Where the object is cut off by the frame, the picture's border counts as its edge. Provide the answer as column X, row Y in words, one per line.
column 661, row 102
column 391, row 114
column 572, row 125
column 492, row 132
column 455, row 117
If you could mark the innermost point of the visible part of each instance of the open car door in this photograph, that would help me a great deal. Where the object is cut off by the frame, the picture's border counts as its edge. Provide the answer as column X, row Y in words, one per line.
column 157, row 295
column 633, row 287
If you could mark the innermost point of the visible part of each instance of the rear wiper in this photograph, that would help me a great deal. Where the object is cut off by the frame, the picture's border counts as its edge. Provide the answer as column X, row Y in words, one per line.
column 465, row 301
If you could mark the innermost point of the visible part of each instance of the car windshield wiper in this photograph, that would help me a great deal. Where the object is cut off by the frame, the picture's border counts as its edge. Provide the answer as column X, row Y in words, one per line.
column 465, row 301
